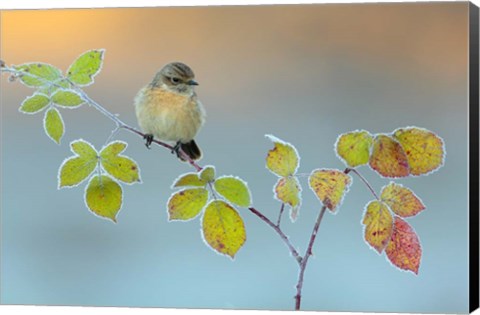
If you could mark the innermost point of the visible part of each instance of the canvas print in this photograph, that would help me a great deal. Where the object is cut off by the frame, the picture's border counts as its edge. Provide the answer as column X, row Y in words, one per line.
column 277, row 157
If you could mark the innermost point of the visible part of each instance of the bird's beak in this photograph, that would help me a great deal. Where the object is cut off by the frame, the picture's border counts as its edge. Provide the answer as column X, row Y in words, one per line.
column 192, row 82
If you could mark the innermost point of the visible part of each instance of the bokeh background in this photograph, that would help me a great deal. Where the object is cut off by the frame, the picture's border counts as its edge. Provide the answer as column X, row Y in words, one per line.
column 305, row 73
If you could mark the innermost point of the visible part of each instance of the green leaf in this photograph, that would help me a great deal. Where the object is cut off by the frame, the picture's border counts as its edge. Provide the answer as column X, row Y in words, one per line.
column 223, row 228
column 53, row 125
column 186, row 204
column 330, row 186
column 38, row 74
column 189, row 180
column 86, row 67
column 354, row 147
column 34, row 103
column 119, row 166
column 288, row 191
column 234, row 190
column 103, row 196
column 283, row 159
column 208, row 173
column 60, row 83
column 79, row 167
column 67, row 98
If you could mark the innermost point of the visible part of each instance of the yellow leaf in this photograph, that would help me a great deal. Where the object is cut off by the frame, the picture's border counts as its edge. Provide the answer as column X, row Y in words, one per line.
column 330, row 186
column 378, row 225
column 186, row 204
column 189, row 179
column 34, row 103
column 424, row 149
column 75, row 170
column 288, row 191
column 354, row 147
column 53, row 125
column 234, row 190
column 223, row 228
column 207, row 174
column 404, row 249
column 103, row 197
column 388, row 157
column 119, row 166
column 83, row 148
column 283, row 159
column 401, row 200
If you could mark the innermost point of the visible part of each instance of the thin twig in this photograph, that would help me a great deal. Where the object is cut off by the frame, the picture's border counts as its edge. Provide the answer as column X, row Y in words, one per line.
column 279, row 231
column 308, row 253
column 363, row 179
column 280, row 214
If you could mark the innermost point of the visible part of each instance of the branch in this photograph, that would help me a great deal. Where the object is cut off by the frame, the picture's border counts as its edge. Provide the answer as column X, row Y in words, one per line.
column 308, row 253
column 280, row 214
column 279, row 231
column 348, row 170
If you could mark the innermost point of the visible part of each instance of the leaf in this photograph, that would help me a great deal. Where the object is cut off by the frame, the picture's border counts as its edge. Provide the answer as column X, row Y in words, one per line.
column 189, row 179
column 388, row 158
column 354, row 147
column 404, row 249
column 223, row 228
column 283, row 159
column 65, row 98
column 119, row 166
column 207, row 174
column 288, row 191
column 76, row 169
column 378, row 225
column 86, row 67
column 103, row 196
column 425, row 150
column 234, row 190
column 34, row 103
column 53, row 125
column 186, row 204
column 401, row 200
column 330, row 186
column 38, row 74
column 57, row 84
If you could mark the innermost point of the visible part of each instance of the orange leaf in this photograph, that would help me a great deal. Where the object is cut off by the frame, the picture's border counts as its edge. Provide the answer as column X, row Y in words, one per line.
column 329, row 186
column 401, row 200
column 388, row 157
column 378, row 225
column 424, row 149
column 404, row 250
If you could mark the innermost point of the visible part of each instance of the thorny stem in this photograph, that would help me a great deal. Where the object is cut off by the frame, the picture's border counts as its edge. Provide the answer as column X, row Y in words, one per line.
column 279, row 231
column 308, row 253
column 364, row 180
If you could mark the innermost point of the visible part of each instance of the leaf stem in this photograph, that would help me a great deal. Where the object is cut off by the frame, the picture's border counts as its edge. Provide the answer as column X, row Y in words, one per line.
column 308, row 253
column 279, row 231
column 363, row 179
column 280, row 214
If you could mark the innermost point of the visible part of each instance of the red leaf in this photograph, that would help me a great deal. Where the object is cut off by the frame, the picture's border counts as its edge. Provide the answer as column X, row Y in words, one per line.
column 404, row 250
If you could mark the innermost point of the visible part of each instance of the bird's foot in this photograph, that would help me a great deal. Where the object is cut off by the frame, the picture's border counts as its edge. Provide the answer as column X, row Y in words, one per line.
column 148, row 140
column 176, row 149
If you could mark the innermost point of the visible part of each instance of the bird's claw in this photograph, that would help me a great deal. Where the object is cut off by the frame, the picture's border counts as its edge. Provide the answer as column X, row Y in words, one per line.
column 148, row 140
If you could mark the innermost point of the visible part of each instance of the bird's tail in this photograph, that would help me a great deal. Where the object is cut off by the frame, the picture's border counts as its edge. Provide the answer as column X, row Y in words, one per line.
column 192, row 150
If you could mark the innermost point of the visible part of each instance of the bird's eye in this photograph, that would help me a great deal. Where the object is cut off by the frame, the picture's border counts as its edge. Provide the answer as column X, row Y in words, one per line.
column 175, row 80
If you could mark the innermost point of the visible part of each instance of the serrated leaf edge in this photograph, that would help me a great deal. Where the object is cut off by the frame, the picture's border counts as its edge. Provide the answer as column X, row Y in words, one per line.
column 353, row 131
column 402, row 186
column 102, row 57
column 244, row 182
column 42, row 109
column 444, row 156
column 274, row 140
column 45, row 125
column 347, row 188
column 85, row 197
column 199, row 212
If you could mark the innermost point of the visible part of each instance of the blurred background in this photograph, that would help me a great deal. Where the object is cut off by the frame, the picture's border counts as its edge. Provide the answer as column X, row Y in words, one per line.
column 305, row 73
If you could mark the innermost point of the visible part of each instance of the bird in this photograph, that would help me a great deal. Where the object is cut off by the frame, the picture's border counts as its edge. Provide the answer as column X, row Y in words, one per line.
column 168, row 109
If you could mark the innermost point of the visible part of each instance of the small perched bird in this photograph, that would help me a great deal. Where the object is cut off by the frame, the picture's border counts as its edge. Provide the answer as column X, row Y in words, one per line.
column 168, row 109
